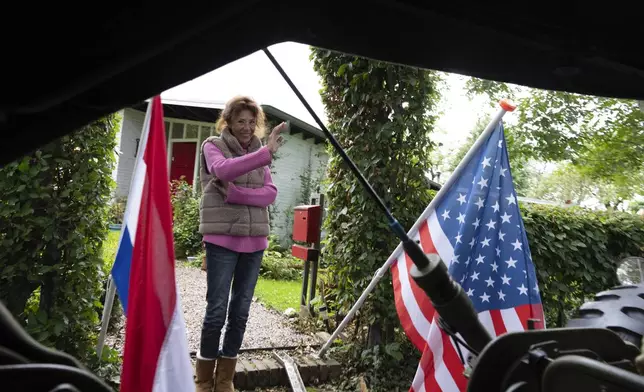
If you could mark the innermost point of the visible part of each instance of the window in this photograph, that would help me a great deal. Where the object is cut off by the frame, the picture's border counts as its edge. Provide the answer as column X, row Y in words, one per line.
column 192, row 132
column 177, row 130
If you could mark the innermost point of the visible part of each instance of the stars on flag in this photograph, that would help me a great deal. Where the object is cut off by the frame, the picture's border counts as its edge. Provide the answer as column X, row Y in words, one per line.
column 517, row 244
column 505, row 218
column 478, row 216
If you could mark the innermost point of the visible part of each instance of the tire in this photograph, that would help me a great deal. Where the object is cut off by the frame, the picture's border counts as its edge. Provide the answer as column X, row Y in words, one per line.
column 620, row 309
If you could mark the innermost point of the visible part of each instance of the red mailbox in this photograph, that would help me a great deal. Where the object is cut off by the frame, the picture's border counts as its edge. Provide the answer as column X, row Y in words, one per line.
column 304, row 253
column 306, row 227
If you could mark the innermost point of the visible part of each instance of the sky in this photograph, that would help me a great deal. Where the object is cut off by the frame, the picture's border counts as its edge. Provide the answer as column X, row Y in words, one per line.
column 256, row 76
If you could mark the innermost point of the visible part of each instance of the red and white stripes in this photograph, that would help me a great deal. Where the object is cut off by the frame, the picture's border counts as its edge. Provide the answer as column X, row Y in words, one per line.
column 440, row 368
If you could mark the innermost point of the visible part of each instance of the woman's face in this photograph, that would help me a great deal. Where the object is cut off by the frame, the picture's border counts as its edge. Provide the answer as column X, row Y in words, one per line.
column 243, row 126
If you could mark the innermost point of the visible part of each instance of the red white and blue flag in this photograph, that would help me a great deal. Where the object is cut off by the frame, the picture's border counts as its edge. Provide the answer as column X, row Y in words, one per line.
column 156, row 354
column 477, row 230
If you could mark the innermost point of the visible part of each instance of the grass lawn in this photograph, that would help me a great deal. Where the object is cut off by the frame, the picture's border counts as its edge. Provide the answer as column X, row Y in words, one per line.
column 110, row 245
column 279, row 294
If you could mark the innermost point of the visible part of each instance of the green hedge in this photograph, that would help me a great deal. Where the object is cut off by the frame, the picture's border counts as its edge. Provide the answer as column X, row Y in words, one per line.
column 53, row 223
column 576, row 253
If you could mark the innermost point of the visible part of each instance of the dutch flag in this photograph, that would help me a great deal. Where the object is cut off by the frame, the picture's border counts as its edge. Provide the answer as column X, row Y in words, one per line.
column 156, row 354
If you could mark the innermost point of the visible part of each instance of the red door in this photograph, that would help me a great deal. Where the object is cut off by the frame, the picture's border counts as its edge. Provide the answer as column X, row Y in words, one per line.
column 183, row 161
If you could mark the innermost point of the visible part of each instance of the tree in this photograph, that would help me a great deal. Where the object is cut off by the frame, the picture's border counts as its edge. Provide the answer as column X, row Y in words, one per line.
column 382, row 114
column 53, row 222
column 603, row 138
column 569, row 182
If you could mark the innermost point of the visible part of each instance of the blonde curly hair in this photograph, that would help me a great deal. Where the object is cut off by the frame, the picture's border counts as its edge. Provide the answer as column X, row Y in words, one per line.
column 236, row 105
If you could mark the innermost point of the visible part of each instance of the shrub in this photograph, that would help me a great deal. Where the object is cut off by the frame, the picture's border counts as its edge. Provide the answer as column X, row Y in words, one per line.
column 576, row 253
column 185, row 206
column 280, row 266
column 117, row 209
column 53, row 223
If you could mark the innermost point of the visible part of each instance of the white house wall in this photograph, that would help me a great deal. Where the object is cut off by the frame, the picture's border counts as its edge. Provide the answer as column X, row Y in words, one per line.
column 292, row 161
column 130, row 131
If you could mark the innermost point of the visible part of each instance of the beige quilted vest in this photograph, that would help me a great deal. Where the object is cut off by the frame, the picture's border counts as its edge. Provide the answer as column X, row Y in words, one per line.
column 215, row 215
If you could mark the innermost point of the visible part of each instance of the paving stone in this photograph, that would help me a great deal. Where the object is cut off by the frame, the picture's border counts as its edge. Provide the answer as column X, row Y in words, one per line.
column 241, row 378
column 263, row 374
column 252, row 374
column 314, row 369
column 274, row 369
column 323, row 369
column 302, row 368
column 335, row 369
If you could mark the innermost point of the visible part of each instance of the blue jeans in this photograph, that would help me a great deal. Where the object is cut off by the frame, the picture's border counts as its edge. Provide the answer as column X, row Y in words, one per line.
column 223, row 267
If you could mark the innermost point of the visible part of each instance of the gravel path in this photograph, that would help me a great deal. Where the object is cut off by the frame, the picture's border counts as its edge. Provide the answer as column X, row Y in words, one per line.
column 265, row 328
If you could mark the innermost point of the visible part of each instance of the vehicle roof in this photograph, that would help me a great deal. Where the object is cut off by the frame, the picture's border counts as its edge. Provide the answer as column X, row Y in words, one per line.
column 66, row 66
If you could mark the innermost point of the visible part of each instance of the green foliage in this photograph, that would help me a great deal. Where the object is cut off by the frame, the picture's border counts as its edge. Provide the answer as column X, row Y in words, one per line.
column 635, row 206
column 185, row 207
column 576, row 253
column 108, row 368
column 53, row 222
column 569, row 182
column 387, row 368
column 602, row 137
column 278, row 263
column 382, row 114
column 117, row 209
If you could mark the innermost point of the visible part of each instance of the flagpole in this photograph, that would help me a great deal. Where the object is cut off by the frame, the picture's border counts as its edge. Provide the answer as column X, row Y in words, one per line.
column 111, row 286
column 105, row 320
column 506, row 106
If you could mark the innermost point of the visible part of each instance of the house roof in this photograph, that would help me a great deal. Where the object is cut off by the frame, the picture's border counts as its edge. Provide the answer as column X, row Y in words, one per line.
column 209, row 112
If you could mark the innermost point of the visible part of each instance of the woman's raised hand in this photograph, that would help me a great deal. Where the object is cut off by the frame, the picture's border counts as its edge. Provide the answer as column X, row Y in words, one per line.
column 275, row 139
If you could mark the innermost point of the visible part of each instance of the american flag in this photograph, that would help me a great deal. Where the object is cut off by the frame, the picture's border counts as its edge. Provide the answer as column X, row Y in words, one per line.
column 477, row 229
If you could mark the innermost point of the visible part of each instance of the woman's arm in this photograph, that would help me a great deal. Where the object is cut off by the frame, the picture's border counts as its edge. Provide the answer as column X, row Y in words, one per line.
column 227, row 169
column 258, row 197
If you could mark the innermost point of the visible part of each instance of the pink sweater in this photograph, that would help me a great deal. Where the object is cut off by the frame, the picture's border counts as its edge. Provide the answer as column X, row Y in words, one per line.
column 227, row 169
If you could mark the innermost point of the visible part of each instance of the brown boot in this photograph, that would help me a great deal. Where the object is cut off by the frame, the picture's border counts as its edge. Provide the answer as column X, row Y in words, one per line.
column 204, row 370
column 225, row 374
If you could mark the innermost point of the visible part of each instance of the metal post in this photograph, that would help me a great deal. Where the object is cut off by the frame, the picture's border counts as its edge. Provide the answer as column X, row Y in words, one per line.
column 314, row 277
column 439, row 196
column 111, row 286
column 641, row 270
column 316, row 260
column 107, row 312
column 305, row 283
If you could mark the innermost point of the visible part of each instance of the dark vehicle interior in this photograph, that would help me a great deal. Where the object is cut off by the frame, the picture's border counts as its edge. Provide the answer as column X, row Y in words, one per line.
column 67, row 66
